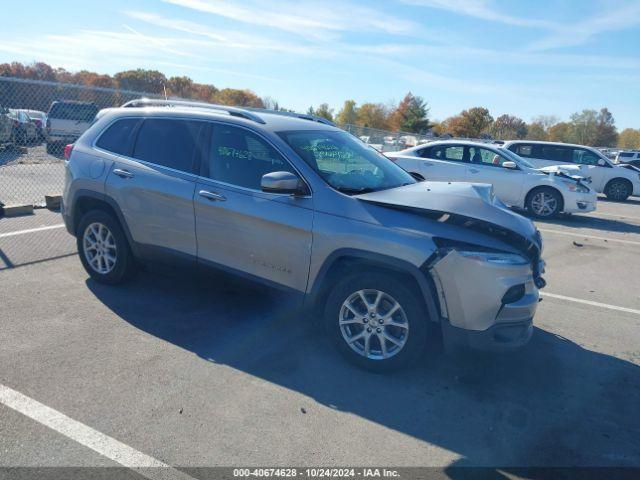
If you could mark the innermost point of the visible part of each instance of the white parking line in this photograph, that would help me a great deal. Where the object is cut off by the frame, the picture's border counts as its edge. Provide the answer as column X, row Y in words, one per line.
column 111, row 448
column 590, row 302
column 31, row 230
column 582, row 235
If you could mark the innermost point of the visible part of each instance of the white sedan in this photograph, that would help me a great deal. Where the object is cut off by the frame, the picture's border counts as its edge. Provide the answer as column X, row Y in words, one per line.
column 515, row 181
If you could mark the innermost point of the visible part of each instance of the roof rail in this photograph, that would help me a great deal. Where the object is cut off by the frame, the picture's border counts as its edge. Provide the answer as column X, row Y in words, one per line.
column 154, row 102
column 304, row 116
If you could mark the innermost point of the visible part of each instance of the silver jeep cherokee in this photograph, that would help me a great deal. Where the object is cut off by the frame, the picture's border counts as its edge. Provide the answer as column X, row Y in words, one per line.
column 293, row 201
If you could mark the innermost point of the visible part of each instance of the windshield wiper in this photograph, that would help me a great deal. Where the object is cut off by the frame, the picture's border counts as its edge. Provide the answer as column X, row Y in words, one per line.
column 355, row 191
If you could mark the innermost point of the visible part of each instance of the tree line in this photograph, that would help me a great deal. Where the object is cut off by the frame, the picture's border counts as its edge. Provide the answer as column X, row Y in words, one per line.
column 412, row 115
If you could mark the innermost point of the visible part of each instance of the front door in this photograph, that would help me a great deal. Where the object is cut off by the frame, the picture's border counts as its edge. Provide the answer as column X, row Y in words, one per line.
column 261, row 235
column 486, row 167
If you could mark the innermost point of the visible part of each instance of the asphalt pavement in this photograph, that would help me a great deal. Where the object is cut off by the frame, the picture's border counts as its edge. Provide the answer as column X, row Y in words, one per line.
column 194, row 371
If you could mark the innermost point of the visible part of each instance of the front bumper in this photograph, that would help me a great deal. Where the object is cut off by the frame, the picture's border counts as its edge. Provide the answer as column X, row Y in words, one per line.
column 502, row 337
column 575, row 202
column 476, row 306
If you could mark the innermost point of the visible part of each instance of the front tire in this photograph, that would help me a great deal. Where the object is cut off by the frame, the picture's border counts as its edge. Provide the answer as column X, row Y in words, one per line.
column 544, row 202
column 104, row 251
column 618, row 189
column 376, row 322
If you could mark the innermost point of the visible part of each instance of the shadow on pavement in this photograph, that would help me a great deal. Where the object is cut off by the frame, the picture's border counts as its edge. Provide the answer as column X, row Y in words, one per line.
column 553, row 403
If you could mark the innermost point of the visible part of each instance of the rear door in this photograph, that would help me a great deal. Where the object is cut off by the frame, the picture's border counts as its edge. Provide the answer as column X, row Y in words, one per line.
column 153, row 182
column 444, row 163
column 263, row 235
column 486, row 167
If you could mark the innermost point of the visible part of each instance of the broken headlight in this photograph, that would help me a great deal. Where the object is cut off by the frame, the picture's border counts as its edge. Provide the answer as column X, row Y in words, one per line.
column 498, row 258
column 575, row 187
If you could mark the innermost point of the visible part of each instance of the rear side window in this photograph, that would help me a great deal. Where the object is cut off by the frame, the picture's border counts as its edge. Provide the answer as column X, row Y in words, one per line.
column 169, row 143
column 522, row 150
column 81, row 112
column 626, row 154
column 453, row 153
column 557, row 153
column 118, row 138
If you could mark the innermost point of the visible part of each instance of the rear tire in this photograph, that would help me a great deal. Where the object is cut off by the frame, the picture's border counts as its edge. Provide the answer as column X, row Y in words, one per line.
column 618, row 189
column 544, row 202
column 103, row 248
column 355, row 327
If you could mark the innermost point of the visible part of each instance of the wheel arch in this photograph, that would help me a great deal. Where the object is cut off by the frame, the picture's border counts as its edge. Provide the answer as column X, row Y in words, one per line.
column 347, row 260
column 615, row 179
column 86, row 200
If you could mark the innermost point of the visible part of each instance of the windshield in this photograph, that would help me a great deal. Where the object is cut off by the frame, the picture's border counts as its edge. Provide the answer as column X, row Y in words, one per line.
column 516, row 158
column 345, row 163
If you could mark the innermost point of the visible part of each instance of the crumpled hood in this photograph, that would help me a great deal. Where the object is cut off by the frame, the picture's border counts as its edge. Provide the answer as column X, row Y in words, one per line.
column 469, row 200
column 568, row 169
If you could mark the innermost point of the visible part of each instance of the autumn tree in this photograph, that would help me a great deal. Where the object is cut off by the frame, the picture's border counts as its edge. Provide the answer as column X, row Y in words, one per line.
column 324, row 111
column 471, row 123
column 180, row 87
column 348, row 115
column 141, row 80
column 629, row 138
column 373, row 115
column 560, row 132
column 536, row 131
column 606, row 133
column 411, row 115
column 242, row 98
column 508, row 127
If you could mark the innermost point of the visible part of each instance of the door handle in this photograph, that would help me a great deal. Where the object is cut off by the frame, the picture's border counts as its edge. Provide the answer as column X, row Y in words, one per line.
column 214, row 197
column 473, row 170
column 123, row 173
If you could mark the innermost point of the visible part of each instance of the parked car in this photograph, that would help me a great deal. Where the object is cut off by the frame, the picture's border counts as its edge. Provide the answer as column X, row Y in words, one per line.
column 39, row 119
column 629, row 158
column 6, row 128
column 25, row 131
column 394, row 261
column 66, row 121
column 617, row 182
column 515, row 181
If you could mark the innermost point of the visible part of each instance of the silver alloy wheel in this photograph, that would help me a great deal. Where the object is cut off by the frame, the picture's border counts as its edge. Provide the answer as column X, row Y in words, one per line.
column 374, row 324
column 544, row 204
column 618, row 190
column 99, row 248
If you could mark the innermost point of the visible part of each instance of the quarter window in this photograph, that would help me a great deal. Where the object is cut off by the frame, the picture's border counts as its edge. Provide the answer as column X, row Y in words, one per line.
column 168, row 143
column 241, row 158
column 118, row 138
column 523, row 150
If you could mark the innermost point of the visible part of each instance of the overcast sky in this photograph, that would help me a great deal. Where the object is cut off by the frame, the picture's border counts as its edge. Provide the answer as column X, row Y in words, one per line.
column 525, row 58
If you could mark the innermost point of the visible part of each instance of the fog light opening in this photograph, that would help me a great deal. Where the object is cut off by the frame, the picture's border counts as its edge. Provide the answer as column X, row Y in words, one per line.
column 514, row 294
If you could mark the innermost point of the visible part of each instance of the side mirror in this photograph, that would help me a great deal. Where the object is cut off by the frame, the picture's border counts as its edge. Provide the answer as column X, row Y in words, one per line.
column 601, row 162
column 510, row 165
column 282, row 182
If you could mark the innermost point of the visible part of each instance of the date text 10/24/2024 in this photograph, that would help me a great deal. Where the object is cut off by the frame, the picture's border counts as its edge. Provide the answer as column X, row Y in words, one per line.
column 316, row 472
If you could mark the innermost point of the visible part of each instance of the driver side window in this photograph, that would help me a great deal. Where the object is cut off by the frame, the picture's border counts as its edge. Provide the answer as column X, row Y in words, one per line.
column 584, row 157
column 240, row 157
column 484, row 156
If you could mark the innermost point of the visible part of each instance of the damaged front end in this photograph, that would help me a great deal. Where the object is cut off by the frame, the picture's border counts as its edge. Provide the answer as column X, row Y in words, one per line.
column 487, row 266
column 487, row 297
